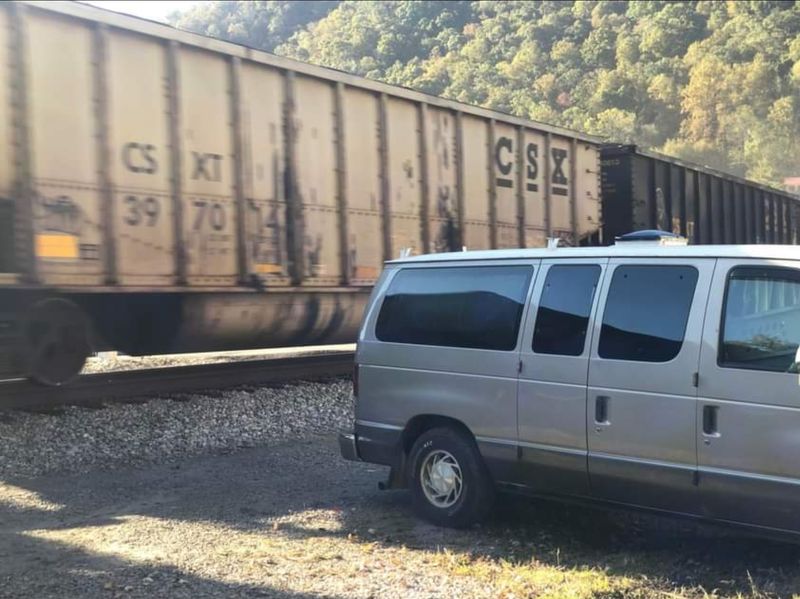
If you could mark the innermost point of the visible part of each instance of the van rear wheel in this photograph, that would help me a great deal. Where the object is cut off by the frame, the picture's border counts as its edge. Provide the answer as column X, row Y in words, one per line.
column 449, row 483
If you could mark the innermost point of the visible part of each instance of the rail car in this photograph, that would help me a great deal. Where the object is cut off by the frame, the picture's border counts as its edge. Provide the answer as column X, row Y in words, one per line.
column 647, row 190
column 166, row 192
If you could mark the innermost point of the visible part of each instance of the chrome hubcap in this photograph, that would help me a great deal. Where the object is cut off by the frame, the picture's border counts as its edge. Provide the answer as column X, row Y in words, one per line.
column 441, row 478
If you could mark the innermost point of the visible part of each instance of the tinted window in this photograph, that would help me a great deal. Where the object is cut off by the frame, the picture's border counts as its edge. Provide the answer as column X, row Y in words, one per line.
column 761, row 322
column 564, row 307
column 646, row 312
column 477, row 307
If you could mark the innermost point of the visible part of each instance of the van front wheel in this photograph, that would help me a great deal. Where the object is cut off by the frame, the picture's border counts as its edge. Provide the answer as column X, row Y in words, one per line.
column 449, row 483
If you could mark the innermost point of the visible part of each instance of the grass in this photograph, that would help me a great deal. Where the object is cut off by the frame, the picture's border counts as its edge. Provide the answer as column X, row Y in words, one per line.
column 512, row 579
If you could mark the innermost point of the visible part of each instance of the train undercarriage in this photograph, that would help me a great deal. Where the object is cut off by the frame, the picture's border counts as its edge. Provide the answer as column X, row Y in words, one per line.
column 47, row 336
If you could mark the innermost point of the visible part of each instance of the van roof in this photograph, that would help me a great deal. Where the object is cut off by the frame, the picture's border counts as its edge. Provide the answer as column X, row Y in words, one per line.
column 621, row 250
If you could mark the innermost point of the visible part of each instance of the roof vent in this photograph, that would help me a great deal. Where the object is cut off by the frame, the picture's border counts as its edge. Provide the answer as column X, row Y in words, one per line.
column 651, row 237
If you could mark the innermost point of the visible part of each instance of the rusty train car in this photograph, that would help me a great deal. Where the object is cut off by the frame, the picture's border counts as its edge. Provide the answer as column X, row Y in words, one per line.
column 162, row 191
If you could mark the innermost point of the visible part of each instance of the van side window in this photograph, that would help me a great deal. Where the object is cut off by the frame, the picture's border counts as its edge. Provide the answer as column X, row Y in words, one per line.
column 564, row 308
column 646, row 312
column 761, row 319
column 477, row 307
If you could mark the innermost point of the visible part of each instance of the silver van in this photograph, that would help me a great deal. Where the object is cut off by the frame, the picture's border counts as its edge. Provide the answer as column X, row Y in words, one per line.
column 645, row 374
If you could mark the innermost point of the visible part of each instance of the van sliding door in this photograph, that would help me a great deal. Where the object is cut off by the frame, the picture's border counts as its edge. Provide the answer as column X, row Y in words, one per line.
column 552, row 386
column 642, row 397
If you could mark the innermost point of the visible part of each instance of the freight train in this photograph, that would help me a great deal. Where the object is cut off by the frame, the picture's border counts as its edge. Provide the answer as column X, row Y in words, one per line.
column 162, row 191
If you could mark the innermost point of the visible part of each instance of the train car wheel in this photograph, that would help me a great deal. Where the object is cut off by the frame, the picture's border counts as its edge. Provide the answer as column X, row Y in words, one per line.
column 55, row 339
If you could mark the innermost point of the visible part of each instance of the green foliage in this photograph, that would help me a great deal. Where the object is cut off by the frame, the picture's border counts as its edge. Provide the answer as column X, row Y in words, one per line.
column 712, row 82
column 255, row 23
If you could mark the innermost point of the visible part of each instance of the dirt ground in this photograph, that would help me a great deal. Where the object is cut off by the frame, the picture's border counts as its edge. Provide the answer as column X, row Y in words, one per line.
column 295, row 521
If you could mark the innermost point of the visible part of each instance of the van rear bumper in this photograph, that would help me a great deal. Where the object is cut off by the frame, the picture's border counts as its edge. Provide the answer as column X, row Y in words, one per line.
column 374, row 444
column 348, row 447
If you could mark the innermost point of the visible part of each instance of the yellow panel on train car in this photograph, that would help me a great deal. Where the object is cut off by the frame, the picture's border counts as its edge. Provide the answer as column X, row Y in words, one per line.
column 506, row 179
column 57, row 245
column 443, row 197
column 139, row 159
column 476, row 183
column 7, row 153
column 362, row 159
column 533, row 190
column 262, row 95
column 587, row 182
column 64, row 147
column 404, row 176
column 209, row 213
column 561, row 182
column 316, row 179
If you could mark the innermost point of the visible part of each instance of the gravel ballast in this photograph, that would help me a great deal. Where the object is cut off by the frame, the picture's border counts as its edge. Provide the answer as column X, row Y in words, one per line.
column 79, row 439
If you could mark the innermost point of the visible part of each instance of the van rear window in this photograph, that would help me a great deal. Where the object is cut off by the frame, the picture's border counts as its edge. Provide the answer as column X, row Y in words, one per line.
column 476, row 307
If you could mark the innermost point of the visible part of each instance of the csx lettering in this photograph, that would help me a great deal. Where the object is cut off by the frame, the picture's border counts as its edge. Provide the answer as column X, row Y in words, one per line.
column 504, row 143
column 532, row 169
column 559, row 155
column 138, row 158
column 532, row 154
column 207, row 166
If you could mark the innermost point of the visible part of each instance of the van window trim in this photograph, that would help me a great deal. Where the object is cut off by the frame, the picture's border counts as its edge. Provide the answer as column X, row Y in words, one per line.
column 795, row 274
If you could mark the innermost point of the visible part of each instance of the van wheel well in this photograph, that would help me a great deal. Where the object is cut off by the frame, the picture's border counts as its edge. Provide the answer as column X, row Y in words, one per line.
column 425, row 422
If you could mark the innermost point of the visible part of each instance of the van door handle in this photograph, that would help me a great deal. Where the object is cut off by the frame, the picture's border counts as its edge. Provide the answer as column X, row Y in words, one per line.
column 711, row 421
column 601, row 409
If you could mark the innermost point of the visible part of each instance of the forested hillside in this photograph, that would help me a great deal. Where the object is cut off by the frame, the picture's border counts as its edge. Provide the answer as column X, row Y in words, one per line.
column 713, row 82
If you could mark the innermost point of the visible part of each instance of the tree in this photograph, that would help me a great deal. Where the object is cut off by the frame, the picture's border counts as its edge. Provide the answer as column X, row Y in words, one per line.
column 257, row 23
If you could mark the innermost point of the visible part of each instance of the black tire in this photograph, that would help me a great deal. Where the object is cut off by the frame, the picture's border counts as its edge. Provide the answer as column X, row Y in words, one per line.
column 477, row 490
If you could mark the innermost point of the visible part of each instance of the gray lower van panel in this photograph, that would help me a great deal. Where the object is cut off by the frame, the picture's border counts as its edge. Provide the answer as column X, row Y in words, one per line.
column 501, row 460
column 554, row 470
column 769, row 501
column 648, row 483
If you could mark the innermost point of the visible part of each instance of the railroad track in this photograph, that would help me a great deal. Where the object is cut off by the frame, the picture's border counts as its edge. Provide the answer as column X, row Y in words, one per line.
column 97, row 389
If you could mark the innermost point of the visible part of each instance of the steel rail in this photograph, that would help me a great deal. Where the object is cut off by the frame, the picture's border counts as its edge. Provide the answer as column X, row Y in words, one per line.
column 101, row 388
